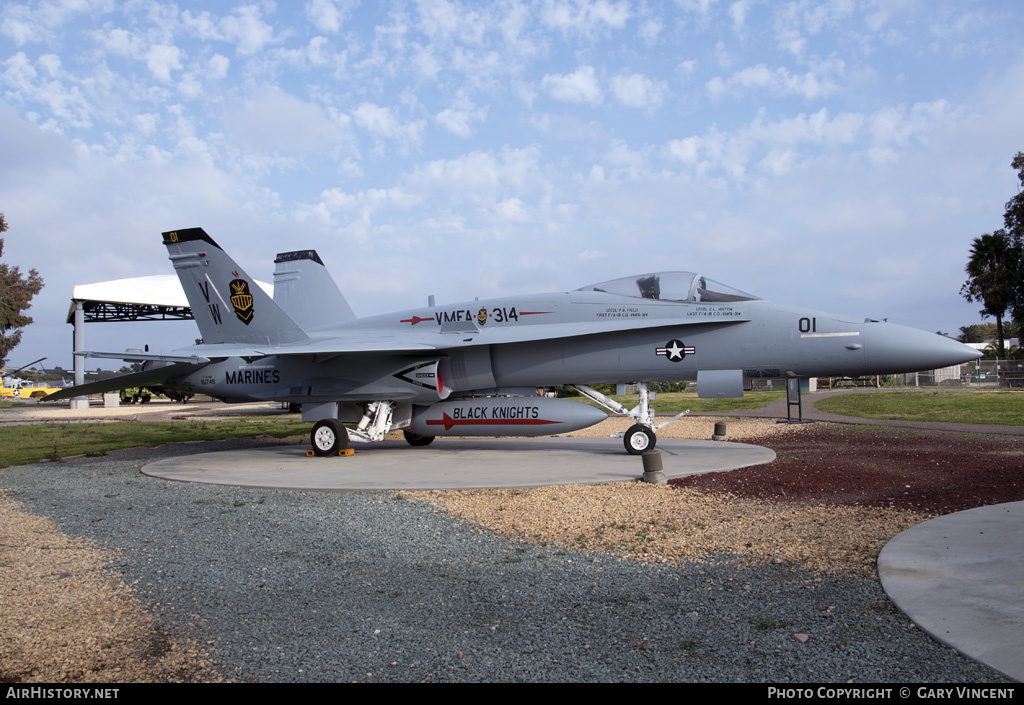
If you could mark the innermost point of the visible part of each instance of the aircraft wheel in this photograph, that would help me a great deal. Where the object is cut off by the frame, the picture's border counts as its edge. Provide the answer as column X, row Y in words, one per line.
column 328, row 437
column 639, row 439
column 415, row 439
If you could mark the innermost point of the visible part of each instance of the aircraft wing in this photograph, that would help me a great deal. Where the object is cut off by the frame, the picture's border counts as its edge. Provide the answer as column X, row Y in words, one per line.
column 520, row 334
column 413, row 343
column 132, row 379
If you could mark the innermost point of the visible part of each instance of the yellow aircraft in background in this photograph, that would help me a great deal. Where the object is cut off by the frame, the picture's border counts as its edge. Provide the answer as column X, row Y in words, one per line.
column 23, row 389
column 27, row 390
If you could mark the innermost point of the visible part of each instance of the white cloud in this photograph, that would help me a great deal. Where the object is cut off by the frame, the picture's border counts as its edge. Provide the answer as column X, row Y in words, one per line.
column 329, row 15
column 217, row 67
column 650, row 30
column 204, row 25
column 513, row 209
column 701, row 8
column 39, row 21
column 777, row 147
column 580, row 86
column 161, row 60
column 632, row 164
column 274, row 121
column 685, row 150
column 810, row 85
column 445, row 19
column 363, row 204
column 738, row 12
column 458, row 119
column 246, row 28
column 382, row 122
column 794, row 21
column 639, row 91
column 146, row 123
column 24, row 83
column 481, row 177
column 589, row 18
column 119, row 41
column 687, row 68
column 19, row 24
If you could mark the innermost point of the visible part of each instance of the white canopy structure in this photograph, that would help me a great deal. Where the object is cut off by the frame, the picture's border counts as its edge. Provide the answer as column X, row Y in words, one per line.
column 154, row 298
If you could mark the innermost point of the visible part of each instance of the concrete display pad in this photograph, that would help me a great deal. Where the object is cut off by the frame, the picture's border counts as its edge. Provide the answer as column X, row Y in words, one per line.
column 455, row 464
column 960, row 577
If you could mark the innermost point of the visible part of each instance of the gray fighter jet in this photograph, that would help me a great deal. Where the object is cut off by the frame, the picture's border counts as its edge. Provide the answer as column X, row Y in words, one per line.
column 473, row 368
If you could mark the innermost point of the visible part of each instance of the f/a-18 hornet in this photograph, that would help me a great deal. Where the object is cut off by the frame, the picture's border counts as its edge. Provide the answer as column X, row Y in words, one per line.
column 472, row 369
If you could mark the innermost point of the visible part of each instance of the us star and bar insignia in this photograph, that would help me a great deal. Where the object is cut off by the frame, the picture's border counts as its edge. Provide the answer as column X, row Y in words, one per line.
column 675, row 350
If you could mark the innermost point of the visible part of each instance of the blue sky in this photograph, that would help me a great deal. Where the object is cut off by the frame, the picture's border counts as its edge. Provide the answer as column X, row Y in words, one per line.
column 836, row 154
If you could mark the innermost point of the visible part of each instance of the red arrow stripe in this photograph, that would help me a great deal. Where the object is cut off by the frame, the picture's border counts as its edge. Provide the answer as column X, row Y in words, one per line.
column 415, row 319
column 448, row 422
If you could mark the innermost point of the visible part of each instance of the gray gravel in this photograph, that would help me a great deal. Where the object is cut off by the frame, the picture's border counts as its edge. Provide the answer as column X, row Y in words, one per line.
column 304, row 586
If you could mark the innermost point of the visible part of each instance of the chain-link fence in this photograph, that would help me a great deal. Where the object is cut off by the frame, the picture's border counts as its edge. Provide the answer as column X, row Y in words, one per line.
column 982, row 373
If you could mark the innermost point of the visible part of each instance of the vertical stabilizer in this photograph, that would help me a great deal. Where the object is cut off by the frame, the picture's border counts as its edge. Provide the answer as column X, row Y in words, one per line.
column 228, row 305
column 305, row 290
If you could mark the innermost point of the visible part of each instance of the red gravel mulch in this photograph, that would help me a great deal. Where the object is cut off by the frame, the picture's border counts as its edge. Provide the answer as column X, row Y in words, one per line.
column 878, row 466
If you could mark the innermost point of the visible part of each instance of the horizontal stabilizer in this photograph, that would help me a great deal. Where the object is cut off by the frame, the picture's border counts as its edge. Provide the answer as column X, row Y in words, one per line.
column 129, row 356
column 133, row 379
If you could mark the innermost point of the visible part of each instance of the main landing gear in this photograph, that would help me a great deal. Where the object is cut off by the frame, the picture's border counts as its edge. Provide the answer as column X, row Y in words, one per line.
column 328, row 437
column 416, row 440
column 641, row 436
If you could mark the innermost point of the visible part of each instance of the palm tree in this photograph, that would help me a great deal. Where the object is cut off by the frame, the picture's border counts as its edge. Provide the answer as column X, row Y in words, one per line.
column 991, row 272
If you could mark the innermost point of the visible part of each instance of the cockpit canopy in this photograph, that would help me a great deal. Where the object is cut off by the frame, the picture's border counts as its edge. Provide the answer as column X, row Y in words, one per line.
column 671, row 286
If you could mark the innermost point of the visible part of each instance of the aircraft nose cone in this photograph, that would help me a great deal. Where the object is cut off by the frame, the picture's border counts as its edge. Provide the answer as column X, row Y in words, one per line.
column 893, row 348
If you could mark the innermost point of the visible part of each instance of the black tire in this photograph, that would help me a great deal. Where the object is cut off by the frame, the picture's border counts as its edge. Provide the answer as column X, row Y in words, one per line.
column 639, row 439
column 328, row 437
column 415, row 439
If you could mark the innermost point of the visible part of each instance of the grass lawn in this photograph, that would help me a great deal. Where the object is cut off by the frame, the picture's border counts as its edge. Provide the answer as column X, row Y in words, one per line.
column 674, row 402
column 30, row 443
column 992, row 407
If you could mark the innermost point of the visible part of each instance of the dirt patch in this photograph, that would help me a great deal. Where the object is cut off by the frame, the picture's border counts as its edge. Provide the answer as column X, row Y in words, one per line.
column 934, row 472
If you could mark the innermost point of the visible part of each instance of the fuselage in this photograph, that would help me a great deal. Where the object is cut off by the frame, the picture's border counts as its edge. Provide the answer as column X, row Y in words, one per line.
column 578, row 337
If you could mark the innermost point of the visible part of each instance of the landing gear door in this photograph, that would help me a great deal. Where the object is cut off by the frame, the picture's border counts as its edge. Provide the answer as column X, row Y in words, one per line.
column 715, row 384
column 401, row 416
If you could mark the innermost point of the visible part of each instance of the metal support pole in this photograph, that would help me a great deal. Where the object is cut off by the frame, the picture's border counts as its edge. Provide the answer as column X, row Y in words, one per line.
column 79, row 344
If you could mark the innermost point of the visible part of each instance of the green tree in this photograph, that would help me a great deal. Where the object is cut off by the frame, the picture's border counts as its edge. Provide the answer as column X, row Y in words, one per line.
column 16, row 292
column 992, row 272
column 1013, row 220
column 984, row 332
